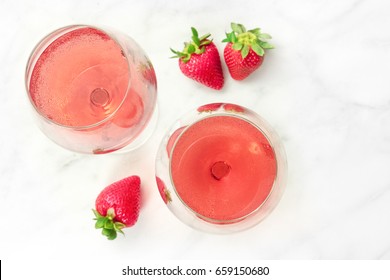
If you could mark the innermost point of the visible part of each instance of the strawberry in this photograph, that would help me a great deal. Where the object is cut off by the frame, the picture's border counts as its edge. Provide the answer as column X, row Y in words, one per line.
column 244, row 52
column 164, row 192
column 233, row 108
column 100, row 151
column 209, row 107
column 117, row 206
column 200, row 61
column 147, row 72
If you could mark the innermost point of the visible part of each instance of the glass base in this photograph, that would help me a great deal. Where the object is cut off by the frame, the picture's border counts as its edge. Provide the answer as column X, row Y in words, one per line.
column 143, row 137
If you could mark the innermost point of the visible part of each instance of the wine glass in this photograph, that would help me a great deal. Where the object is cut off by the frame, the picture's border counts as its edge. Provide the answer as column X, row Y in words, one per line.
column 221, row 168
column 93, row 89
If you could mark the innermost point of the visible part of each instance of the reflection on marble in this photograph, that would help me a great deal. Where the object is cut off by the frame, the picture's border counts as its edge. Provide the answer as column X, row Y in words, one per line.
column 325, row 89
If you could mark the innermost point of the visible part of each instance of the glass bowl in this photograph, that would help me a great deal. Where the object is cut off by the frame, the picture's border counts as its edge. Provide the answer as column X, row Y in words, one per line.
column 93, row 90
column 221, row 168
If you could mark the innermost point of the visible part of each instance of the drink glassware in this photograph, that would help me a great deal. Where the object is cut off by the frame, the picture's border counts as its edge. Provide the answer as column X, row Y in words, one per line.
column 93, row 89
column 221, row 168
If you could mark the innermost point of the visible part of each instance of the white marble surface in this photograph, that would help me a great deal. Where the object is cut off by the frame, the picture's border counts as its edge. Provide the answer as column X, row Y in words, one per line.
column 325, row 89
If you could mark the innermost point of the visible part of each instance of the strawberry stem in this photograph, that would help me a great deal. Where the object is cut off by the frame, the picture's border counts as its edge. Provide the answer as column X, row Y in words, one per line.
column 107, row 223
column 196, row 46
column 243, row 40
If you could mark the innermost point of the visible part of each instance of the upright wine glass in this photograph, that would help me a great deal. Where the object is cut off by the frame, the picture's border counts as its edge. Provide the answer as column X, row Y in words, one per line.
column 94, row 90
column 221, row 168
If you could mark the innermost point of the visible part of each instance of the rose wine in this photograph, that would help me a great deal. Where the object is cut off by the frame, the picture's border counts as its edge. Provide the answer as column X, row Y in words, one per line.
column 223, row 168
column 84, row 80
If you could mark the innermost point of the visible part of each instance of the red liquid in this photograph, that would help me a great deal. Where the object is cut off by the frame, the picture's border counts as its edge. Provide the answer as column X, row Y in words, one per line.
column 71, row 69
column 223, row 168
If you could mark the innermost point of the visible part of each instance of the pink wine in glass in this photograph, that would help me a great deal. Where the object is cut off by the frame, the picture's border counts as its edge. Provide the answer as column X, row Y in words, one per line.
column 221, row 168
column 97, row 92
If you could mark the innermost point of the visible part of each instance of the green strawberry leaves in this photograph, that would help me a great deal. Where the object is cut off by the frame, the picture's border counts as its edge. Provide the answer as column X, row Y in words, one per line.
column 195, row 36
column 238, row 28
column 258, row 49
column 109, row 227
column 196, row 46
column 230, row 38
column 243, row 40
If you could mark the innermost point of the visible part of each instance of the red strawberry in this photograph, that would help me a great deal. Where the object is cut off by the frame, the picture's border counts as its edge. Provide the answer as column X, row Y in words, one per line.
column 209, row 107
column 200, row 61
column 117, row 206
column 164, row 192
column 244, row 52
column 233, row 108
column 147, row 72
column 100, row 151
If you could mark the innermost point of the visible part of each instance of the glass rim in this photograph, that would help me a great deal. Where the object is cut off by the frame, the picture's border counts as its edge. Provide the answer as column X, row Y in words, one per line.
column 281, row 164
column 43, row 44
